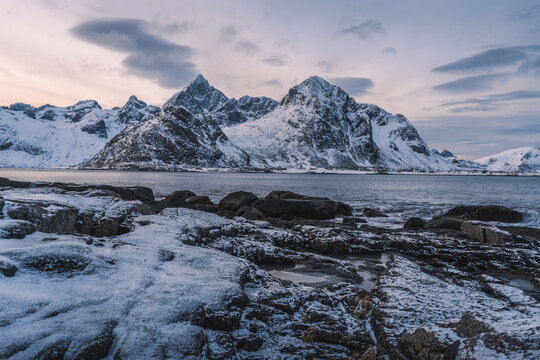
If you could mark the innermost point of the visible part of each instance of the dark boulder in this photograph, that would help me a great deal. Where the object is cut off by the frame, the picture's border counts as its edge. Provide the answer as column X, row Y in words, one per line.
column 199, row 200
column 443, row 222
column 131, row 193
column 339, row 207
column 289, row 209
column 414, row 223
column 368, row 212
column 250, row 213
column 486, row 213
column 236, row 200
column 4, row 182
column 176, row 200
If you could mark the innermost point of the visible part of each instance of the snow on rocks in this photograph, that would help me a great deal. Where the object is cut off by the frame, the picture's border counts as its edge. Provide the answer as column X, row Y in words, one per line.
column 192, row 284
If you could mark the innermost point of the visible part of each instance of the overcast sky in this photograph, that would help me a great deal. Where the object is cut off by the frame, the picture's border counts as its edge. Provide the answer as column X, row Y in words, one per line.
column 466, row 73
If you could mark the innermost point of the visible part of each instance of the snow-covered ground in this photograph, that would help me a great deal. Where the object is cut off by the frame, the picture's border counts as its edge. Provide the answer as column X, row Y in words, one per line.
column 190, row 284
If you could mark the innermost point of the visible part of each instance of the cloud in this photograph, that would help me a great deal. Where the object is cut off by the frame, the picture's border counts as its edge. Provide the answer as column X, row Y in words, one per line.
column 490, row 102
column 365, row 30
column 246, row 47
column 529, row 66
column 273, row 83
column 325, row 66
column 228, row 34
column 174, row 27
column 530, row 13
column 490, row 99
column 490, row 59
column 472, row 109
column 473, row 83
column 353, row 85
column 149, row 56
column 275, row 60
column 390, row 50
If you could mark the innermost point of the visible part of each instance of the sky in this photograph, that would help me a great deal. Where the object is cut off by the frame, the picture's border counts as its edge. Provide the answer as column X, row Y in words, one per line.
column 465, row 73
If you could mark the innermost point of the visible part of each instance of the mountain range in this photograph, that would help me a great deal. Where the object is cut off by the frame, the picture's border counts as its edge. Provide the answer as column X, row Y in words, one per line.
column 315, row 126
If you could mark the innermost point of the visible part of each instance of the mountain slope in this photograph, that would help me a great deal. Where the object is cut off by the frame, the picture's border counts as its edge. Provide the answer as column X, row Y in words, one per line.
column 200, row 97
column 525, row 159
column 51, row 136
column 318, row 125
column 172, row 138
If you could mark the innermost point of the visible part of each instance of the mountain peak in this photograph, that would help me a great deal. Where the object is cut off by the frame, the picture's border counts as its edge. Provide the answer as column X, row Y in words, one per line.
column 199, row 84
column 314, row 87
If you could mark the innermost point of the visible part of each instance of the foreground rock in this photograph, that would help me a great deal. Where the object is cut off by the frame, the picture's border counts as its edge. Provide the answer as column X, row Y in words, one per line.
column 187, row 284
column 486, row 213
column 284, row 205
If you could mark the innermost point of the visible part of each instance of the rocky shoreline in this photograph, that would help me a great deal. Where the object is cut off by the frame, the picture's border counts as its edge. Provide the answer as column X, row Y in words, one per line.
column 96, row 271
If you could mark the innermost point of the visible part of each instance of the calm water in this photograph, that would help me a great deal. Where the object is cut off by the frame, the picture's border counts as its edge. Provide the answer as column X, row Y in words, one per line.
column 400, row 196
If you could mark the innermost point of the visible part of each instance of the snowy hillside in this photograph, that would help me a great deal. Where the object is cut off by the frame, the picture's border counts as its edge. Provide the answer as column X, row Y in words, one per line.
column 51, row 136
column 200, row 97
column 318, row 125
column 172, row 138
column 525, row 159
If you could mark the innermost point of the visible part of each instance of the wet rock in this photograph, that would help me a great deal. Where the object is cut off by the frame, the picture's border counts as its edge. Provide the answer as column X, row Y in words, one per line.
column 422, row 345
column 131, row 193
column 486, row 213
column 290, row 209
column 198, row 200
column 7, row 267
column 414, row 223
column 250, row 213
column 339, row 207
column 4, row 182
column 236, row 200
column 485, row 233
column 175, row 200
column 1, row 207
column 447, row 223
column 354, row 220
column 368, row 212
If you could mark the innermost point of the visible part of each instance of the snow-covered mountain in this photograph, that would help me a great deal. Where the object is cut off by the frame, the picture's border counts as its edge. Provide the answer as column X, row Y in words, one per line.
column 200, row 97
column 318, row 125
column 445, row 153
column 173, row 138
column 51, row 136
column 525, row 159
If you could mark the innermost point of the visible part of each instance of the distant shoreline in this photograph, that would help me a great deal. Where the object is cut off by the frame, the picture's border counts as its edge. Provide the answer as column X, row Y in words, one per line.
column 283, row 171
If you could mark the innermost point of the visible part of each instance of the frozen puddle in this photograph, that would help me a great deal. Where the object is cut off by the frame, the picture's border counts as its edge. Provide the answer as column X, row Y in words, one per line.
column 523, row 284
column 302, row 274
column 307, row 275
